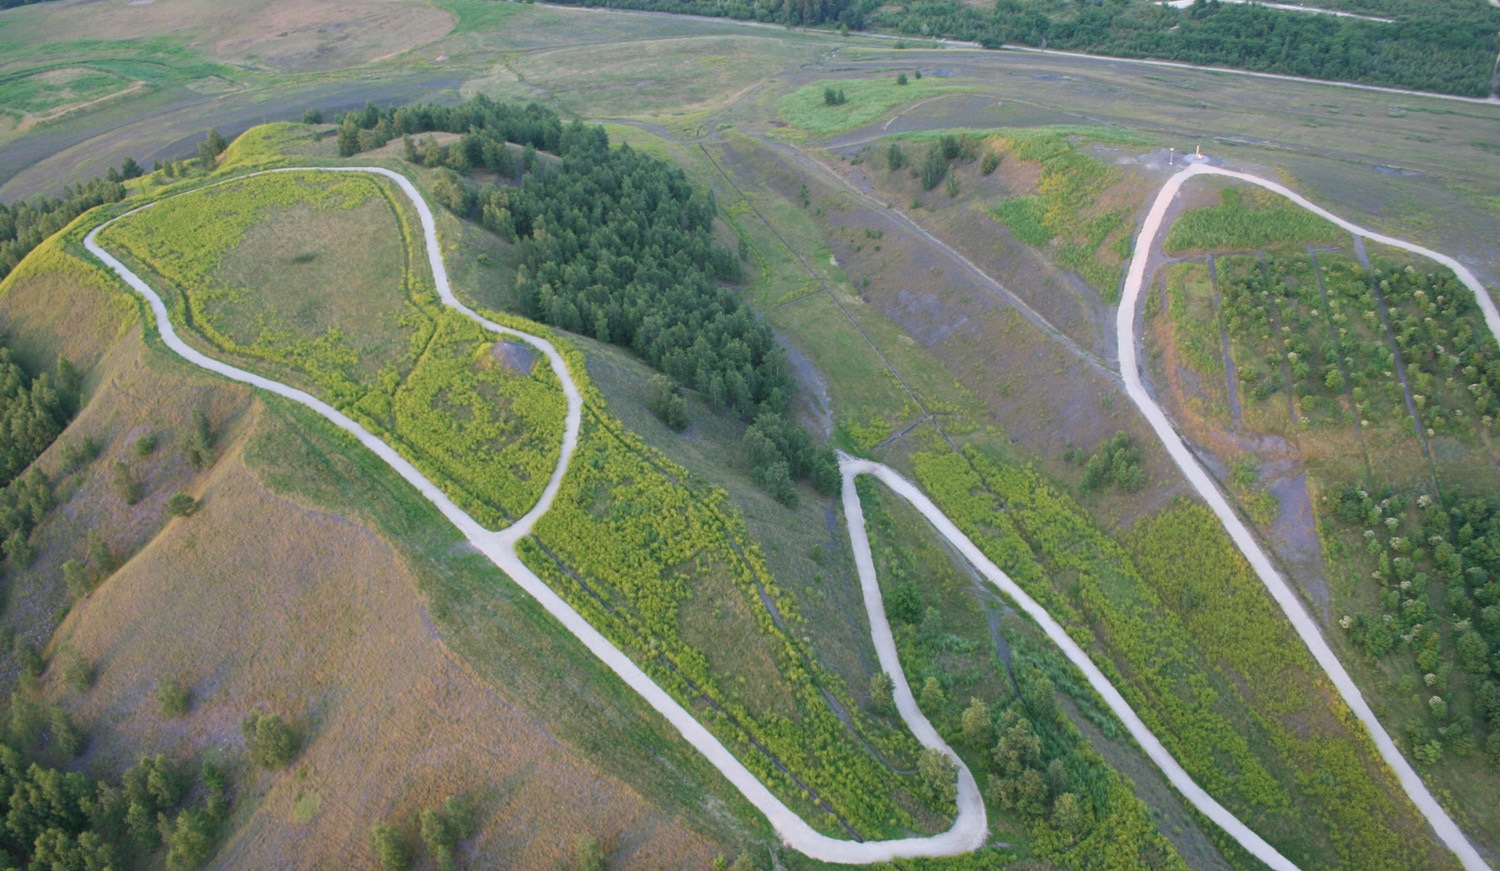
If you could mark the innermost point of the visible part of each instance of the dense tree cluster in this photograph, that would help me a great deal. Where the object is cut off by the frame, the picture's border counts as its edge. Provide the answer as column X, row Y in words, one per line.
column 484, row 123
column 1438, row 562
column 23, row 225
column 1116, row 463
column 618, row 245
column 68, row 820
column 781, row 452
column 1445, row 47
column 32, row 412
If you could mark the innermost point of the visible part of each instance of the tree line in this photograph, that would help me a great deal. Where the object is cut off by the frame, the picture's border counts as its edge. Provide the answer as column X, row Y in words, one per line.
column 618, row 245
column 1447, row 47
column 25, row 224
column 33, row 411
column 481, row 119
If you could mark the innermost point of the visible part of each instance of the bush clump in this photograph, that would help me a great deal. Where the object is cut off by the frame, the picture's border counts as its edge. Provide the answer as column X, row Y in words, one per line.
column 271, row 742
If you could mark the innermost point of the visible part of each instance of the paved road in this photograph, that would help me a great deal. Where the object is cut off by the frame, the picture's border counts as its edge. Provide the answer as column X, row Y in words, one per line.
column 1196, row 475
column 970, row 828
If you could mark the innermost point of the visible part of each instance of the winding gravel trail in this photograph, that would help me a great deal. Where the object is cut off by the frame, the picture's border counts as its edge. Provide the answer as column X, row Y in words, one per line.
column 1280, row 590
column 970, row 828
column 885, row 645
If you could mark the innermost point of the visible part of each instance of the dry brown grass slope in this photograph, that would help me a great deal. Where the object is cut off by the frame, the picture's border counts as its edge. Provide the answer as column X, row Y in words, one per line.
column 258, row 602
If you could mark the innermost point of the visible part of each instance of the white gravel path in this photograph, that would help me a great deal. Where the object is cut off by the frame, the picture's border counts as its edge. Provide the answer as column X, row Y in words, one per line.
column 1280, row 590
column 969, row 829
column 1143, row 736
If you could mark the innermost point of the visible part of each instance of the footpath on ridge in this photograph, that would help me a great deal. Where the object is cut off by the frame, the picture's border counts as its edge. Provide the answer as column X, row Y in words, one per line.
column 970, row 828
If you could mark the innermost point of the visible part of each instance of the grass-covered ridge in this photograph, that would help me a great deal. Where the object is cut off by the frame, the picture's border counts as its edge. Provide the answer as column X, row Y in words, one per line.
column 318, row 279
column 662, row 565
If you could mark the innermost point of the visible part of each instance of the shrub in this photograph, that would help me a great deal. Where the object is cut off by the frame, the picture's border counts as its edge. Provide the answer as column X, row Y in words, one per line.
column 172, row 698
column 665, row 400
column 190, row 841
column 939, row 776
column 77, row 671
column 895, row 158
column 200, row 441
column 989, row 163
column 934, row 168
column 127, row 486
column 27, row 657
column 312, row 116
column 1116, row 463
column 100, row 554
column 77, row 579
column 390, row 850
column 145, row 444
column 587, row 853
column 442, row 829
column 271, row 742
column 976, row 724
column 905, row 603
column 181, row 504
column 882, row 688
column 17, row 550
column 901, row 78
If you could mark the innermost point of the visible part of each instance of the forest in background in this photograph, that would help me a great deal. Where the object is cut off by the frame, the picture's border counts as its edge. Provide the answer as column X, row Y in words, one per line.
column 1445, row 47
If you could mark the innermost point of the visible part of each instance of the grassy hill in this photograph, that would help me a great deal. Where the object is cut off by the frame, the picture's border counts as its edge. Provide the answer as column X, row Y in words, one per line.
column 660, row 538
column 372, row 569
column 1354, row 372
